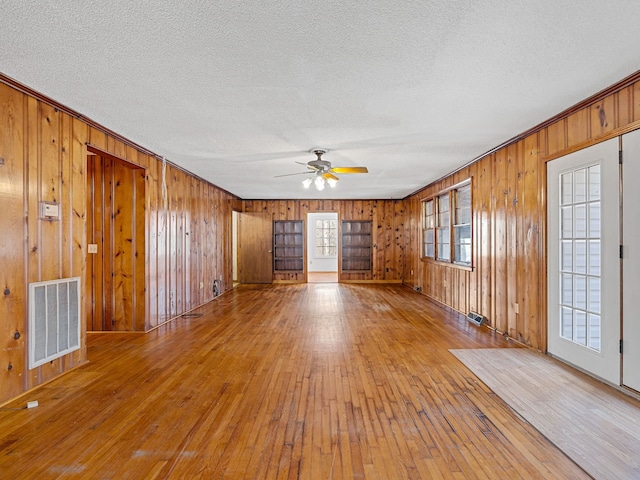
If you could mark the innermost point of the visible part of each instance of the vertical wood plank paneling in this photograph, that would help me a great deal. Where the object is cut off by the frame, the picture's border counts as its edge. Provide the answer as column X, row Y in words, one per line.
column 624, row 107
column 172, row 234
column 179, row 272
column 50, row 147
column 603, row 117
column 34, row 261
column 102, row 270
column 386, row 229
column 513, row 192
column 122, row 264
column 66, row 207
column 108, row 248
column 510, row 221
column 532, row 311
column 98, row 139
column 557, row 137
column 152, row 199
column 635, row 101
column 12, row 244
column 139, row 251
column 191, row 226
column 398, row 259
column 50, row 232
column 196, row 243
column 516, row 296
column 45, row 153
column 78, row 213
column 578, row 127
column 93, row 289
column 498, row 254
column 209, row 240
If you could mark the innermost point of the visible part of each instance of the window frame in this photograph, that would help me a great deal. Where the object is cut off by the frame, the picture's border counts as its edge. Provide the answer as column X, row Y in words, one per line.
column 449, row 223
column 428, row 225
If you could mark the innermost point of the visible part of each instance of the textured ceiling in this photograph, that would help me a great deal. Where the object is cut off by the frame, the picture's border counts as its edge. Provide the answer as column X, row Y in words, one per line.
column 237, row 92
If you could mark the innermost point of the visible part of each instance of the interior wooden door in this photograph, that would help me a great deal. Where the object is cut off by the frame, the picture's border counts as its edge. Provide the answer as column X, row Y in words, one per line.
column 255, row 254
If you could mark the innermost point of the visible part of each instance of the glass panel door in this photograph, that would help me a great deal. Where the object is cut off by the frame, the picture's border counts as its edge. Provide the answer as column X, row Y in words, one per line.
column 583, row 259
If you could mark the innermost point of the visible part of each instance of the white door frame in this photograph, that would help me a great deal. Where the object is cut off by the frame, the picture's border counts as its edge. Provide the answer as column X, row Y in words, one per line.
column 315, row 264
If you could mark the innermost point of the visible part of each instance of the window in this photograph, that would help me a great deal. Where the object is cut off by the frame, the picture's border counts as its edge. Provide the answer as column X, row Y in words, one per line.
column 326, row 238
column 446, row 226
column 428, row 225
column 462, row 225
column 443, row 235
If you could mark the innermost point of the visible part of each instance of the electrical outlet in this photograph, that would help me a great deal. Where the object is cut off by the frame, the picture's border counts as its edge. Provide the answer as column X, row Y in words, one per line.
column 32, row 404
column 516, row 308
column 201, row 284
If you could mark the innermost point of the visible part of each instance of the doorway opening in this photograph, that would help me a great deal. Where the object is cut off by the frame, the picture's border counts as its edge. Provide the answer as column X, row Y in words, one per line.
column 322, row 247
column 115, row 287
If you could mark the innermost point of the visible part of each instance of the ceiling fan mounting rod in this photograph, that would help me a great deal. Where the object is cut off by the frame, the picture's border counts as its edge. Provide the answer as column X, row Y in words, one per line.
column 318, row 151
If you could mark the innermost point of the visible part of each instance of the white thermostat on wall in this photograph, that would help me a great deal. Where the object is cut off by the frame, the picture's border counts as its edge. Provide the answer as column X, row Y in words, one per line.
column 49, row 211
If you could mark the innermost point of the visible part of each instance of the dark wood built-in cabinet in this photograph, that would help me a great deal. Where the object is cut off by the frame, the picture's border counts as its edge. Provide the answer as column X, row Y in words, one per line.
column 356, row 245
column 288, row 246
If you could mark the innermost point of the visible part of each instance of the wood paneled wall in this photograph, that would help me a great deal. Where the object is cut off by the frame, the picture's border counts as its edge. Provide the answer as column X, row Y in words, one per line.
column 509, row 219
column 185, row 245
column 388, row 231
column 187, row 224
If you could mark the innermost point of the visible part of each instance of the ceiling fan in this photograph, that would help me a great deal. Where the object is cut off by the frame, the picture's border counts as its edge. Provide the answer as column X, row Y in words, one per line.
column 323, row 171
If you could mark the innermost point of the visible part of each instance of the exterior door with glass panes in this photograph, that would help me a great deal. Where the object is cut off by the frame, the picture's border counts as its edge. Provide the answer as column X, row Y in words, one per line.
column 583, row 259
column 322, row 243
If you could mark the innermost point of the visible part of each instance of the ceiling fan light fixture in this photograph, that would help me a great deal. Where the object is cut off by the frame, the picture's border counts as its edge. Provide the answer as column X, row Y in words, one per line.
column 332, row 182
column 319, row 183
column 307, row 182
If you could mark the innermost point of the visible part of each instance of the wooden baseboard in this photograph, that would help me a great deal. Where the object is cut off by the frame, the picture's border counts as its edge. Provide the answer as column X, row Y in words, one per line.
column 40, row 385
column 371, row 281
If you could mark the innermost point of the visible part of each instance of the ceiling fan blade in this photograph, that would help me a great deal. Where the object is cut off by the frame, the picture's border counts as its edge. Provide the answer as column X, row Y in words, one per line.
column 290, row 174
column 349, row 170
column 329, row 175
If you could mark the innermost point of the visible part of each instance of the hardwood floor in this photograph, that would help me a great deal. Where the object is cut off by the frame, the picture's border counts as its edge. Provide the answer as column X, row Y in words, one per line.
column 593, row 423
column 324, row 381
column 322, row 277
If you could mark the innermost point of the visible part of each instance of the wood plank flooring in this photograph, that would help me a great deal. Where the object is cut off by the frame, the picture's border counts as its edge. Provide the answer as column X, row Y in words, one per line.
column 322, row 277
column 594, row 424
column 324, row 381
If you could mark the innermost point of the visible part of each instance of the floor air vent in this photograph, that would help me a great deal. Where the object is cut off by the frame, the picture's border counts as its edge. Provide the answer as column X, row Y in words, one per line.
column 54, row 319
column 475, row 318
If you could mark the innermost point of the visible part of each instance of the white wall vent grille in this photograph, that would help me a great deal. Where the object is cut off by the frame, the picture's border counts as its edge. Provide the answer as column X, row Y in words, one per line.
column 54, row 319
